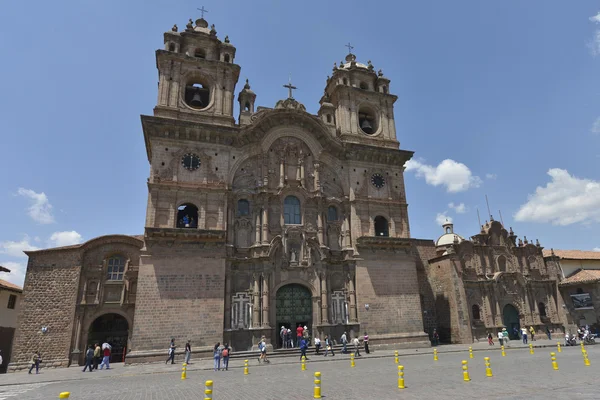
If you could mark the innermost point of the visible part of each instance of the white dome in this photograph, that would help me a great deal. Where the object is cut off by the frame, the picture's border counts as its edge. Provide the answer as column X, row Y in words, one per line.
column 448, row 239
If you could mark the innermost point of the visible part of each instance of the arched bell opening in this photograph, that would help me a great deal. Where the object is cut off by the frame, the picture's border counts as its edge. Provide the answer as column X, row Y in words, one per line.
column 197, row 95
column 367, row 120
column 381, row 226
column 187, row 216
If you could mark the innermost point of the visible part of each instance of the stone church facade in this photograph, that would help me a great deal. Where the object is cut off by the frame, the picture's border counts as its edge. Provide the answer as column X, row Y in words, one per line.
column 276, row 218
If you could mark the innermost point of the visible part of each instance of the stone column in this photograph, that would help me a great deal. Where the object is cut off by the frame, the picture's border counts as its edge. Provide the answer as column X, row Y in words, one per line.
column 97, row 299
column 347, row 232
column 324, row 300
column 320, row 227
column 265, row 225
column 84, row 291
column 228, row 303
column 281, row 171
column 256, row 304
column 257, row 229
column 265, row 301
column 76, row 351
column 316, row 181
column 301, row 162
column 352, row 293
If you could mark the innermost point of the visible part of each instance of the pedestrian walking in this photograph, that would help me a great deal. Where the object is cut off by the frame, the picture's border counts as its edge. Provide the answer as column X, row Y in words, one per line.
column 317, row 345
column 366, row 343
column 328, row 346
column 299, row 333
column 106, row 350
column 225, row 356
column 548, row 333
column 490, row 339
column 188, row 352
column 282, row 335
column 303, row 347
column 532, row 332
column 36, row 359
column 500, row 338
column 344, row 340
column 89, row 359
column 356, row 343
column 435, row 338
column 524, row 335
column 171, row 356
column 97, row 355
column 217, row 356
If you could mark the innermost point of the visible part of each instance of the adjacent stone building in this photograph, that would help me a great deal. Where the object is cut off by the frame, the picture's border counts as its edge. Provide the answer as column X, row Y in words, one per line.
column 479, row 286
column 10, row 304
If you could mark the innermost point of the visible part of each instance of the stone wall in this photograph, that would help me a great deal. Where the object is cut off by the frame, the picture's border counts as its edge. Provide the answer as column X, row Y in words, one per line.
column 423, row 251
column 387, row 281
column 180, row 295
column 49, row 297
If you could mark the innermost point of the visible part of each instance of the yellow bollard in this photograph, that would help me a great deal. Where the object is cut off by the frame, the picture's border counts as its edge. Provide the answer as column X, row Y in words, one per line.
column 530, row 348
column 488, row 367
column 64, row 395
column 317, row 392
column 558, row 346
column 465, row 369
column 208, row 390
column 586, row 360
column 470, row 352
column 303, row 363
column 503, row 353
column 184, row 372
column 554, row 363
column 435, row 356
column 352, row 361
column 396, row 356
column 401, row 377
column 582, row 348
column 245, row 367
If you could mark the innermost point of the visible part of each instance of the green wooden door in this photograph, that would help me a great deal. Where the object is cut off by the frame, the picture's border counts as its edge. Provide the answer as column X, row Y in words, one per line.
column 293, row 306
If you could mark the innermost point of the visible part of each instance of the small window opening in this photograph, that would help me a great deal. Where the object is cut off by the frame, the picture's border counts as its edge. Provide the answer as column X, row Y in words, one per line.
column 542, row 309
column 476, row 312
column 291, row 210
column 226, row 58
column 502, row 264
column 385, row 90
column 448, row 230
column 187, row 216
column 363, row 86
column 243, row 207
column 328, row 118
column 12, row 301
column 381, row 226
column 172, row 47
column 345, row 81
column 199, row 53
column 247, row 107
column 116, row 268
column 579, row 291
column 332, row 214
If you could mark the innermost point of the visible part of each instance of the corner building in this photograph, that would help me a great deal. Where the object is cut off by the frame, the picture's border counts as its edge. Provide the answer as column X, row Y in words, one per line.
column 279, row 219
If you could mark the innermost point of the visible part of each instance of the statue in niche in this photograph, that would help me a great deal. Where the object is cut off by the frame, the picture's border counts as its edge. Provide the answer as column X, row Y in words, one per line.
column 293, row 256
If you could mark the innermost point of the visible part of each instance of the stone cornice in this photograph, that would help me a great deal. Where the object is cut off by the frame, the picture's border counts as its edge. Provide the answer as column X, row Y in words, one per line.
column 380, row 242
column 215, row 187
column 184, row 234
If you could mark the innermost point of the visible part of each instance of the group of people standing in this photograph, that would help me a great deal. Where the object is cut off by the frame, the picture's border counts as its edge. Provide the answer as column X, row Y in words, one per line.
column 93, row 355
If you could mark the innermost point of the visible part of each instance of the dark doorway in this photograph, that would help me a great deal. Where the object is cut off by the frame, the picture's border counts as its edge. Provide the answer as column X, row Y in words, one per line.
column 510, row 315
column 294, row 307
column 113, row 329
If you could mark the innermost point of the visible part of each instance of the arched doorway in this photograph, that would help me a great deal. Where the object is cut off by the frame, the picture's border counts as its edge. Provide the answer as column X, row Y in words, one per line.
column 510, row 315
column 293, row 307
column 113, row 329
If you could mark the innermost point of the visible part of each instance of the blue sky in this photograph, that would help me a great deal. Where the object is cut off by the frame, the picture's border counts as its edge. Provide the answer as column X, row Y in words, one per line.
column 496, row 98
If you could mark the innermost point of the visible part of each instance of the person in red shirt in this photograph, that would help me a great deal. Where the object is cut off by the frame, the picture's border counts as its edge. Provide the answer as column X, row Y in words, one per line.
column 106, row 359
column 299, row 333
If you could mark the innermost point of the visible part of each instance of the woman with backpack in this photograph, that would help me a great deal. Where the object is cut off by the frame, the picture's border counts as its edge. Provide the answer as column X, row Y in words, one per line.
column 225, row 353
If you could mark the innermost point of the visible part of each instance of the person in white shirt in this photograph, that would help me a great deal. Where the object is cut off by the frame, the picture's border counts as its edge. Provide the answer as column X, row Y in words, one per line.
column 500, row 337
column 317, row 345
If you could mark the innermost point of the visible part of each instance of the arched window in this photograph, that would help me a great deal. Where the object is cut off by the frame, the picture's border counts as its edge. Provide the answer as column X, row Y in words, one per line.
column 448, row 230
column 243, row 207
column 502, row 264
column 291, row 210
column 187, row 216
column 247, row 107
column 345, row 81
column 381, row 226
column 116, row 268
column 328, row 118
column 171, row 46
column 385, row 90
column 476, row 313
column 542, row 309
column 226, row 58
column 199, row 53
column 364, row 86
column 332, row 214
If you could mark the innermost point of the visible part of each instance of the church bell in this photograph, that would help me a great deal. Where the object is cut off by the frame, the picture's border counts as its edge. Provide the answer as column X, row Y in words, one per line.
column 196, row 100
column 365, row 125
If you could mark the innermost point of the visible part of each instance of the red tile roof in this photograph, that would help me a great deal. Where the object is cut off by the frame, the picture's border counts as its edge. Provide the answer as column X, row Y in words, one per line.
column 574, row 254
column 583, row 276
column 10, row 286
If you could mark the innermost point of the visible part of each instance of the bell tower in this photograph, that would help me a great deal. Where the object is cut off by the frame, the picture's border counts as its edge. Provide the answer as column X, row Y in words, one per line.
column 364, row 107
column 197, row 76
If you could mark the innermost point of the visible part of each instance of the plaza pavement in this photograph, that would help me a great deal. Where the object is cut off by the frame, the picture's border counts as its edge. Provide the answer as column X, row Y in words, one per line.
column 519, row 375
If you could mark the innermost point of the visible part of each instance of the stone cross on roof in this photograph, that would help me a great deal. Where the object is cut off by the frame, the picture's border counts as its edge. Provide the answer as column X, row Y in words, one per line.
column 350, row 47
column 202, row 11
column 290, row 87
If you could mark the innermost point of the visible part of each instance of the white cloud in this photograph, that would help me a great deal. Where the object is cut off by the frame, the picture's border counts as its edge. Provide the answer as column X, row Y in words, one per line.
column 596, row 249
column 455, row 176
column 563, row 201
column 458, row 208
column 66, row 238
column 442, row 218
column 596, row 18
column 17, row 272
column 596, row 126
column 41, row 209
column 594, row 44
column 16, row 249
column 491, row 176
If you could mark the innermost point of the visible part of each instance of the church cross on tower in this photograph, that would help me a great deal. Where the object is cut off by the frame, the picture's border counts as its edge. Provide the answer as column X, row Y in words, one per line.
column 350, row 47
column 202, row 11
column 290, row 87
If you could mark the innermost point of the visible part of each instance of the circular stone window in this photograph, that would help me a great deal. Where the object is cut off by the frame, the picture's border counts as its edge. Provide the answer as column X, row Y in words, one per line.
column 197, row 95
column 367, row 120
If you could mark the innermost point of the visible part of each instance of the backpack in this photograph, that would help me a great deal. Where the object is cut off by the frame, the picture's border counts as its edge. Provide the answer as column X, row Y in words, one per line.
column 225, row 352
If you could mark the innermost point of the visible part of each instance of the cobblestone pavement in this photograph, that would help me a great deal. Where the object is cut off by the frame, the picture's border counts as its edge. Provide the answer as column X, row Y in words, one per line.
column 519, row 375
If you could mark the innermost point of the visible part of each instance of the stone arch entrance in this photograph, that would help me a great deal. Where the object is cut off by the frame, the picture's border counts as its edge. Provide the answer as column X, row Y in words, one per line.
column 111, row 328
column 293, row 307
column 510, row 316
